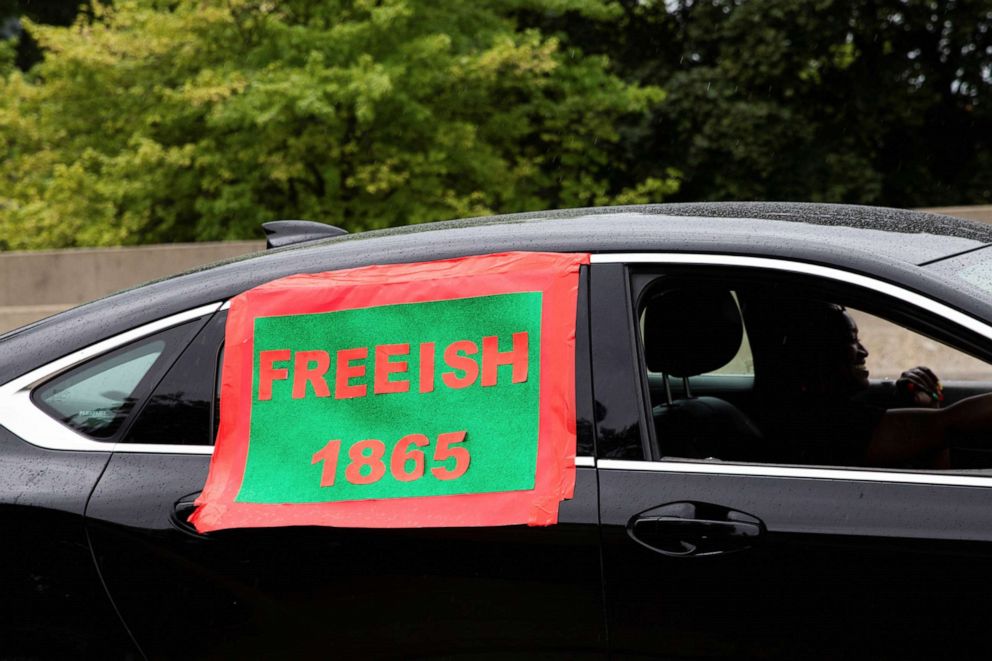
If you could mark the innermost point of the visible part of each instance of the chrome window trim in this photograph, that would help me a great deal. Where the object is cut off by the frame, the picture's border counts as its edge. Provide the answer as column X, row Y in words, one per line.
column 585, row 462
column 20, row 415
column 772, row 470
column 158, row 448
column 777, row 470
column 827, row 272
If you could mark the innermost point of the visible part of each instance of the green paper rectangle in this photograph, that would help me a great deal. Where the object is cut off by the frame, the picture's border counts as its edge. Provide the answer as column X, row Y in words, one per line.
column 501, row 420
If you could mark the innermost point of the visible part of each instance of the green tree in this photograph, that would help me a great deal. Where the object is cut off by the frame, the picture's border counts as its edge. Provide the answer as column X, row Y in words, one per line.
column 883, row 102
column 55, row 12
column 197, row 120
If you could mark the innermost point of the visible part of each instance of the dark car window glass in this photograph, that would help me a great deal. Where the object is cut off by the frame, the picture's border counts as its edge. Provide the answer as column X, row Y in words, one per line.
column 831, row 384
column 217, row 378
column 741, row 364
column 97, row 397
column 585, row 445
column 181, row 409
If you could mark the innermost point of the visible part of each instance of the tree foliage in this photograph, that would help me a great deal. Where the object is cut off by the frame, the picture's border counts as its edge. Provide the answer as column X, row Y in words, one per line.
column 198, row 119
column 155, row 120
column 882, row 102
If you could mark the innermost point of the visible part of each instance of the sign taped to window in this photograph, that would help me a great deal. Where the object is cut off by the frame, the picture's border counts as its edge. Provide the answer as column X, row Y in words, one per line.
column 408, row 395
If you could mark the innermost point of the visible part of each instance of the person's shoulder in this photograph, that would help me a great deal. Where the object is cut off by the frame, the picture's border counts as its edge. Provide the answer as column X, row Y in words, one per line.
column 882, row 396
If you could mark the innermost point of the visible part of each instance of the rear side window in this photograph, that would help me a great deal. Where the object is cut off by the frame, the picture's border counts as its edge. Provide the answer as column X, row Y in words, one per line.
column 182, row 409
column 96, row 398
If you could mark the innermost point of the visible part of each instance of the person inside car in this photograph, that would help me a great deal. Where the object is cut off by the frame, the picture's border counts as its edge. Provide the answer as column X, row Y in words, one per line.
column 814, row 404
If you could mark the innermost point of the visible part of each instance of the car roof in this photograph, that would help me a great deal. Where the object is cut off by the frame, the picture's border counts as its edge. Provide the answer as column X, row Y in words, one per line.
column 886, row 243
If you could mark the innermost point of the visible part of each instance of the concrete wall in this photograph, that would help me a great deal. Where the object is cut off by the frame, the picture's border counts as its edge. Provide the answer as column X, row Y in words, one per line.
column 37, row 284
column 982, row 214
column 40, row 283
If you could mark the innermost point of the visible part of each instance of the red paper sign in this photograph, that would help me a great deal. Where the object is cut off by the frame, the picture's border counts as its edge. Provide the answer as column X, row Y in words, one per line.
column 409, row 395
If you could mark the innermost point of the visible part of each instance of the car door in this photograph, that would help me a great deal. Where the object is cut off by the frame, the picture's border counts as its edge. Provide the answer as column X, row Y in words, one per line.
column 59, row 422
column 712, row 558
column 52, row 603
column 311, row 591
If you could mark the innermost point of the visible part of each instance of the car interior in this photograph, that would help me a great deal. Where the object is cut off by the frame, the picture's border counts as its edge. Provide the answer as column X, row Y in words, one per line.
column 697, row 426
column 699, row 367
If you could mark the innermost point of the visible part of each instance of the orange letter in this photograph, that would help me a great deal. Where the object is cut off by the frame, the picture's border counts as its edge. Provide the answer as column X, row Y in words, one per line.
column 456, row 361
column 492, row 358
column 267, row 372
column 427, row 367
column 383, row 368
column 345, row 372
column 303, row 372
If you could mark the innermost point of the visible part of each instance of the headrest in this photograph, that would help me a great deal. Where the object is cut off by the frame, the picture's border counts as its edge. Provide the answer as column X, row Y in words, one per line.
column 691, row 331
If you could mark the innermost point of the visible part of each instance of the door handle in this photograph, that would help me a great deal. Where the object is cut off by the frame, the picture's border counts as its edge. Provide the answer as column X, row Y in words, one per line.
column 180, row 515
column 690, row 529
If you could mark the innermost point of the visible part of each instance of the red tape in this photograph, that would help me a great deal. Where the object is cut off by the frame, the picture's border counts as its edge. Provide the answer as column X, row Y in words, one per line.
column 554, row 275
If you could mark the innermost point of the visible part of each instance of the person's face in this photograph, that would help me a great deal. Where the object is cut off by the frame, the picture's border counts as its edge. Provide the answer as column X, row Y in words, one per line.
column 852, row 372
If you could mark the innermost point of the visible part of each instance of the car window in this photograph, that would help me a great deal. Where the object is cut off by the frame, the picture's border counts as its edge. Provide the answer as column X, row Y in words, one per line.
column 829, row 380
column 182, row 409
column 740, row 364
column 97, row 397
column 894, row 348
column 218, row 373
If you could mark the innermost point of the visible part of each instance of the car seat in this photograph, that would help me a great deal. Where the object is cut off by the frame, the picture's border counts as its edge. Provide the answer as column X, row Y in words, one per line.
column 687, row 332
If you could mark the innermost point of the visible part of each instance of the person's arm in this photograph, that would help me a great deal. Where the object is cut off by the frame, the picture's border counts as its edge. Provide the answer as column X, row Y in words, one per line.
column 906, row 434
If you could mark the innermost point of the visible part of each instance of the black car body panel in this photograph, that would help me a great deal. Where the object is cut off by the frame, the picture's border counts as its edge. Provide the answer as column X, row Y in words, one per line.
column 53, row 603
column 308, row 592
column 654, row 557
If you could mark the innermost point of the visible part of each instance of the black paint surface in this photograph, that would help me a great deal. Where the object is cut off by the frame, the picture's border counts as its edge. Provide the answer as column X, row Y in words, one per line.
column 52, row 604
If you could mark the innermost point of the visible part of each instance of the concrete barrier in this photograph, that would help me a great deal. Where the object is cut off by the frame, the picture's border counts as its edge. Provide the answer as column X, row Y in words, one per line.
column 35, row 284
column 982, row 214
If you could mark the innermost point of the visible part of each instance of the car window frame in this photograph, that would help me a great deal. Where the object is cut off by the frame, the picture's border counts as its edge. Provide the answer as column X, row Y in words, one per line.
column 22, row 416
column 927, row 306
column 206, row 343
column 173, row 345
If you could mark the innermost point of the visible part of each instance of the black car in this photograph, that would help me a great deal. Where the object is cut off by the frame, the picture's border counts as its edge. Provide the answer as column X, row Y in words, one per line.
column 693, row 532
